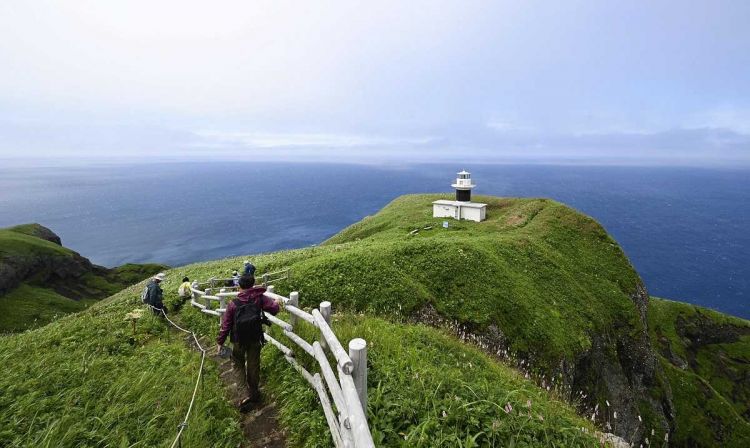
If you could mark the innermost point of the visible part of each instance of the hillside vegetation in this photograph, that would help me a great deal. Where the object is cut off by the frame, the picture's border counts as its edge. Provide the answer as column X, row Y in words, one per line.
column 538, row 282
column 536, row 279
column 706, row 356
column 86, row 380
column 41, row 280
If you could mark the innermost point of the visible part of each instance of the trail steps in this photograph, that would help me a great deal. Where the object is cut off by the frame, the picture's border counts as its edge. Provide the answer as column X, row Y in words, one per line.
column 260, row 425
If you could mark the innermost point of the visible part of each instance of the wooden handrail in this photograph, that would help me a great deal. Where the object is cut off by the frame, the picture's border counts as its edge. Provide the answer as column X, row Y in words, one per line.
column 348, row 391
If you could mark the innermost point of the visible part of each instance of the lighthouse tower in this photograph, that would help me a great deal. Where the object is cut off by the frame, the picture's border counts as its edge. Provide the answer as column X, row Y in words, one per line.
column 462, row 207
column 463, row 186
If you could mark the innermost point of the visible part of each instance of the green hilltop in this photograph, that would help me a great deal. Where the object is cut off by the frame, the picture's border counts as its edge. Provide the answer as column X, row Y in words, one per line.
column 559, row 320
column 40, row 279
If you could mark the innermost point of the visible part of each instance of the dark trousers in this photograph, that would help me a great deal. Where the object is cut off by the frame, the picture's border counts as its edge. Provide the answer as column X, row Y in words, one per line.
column 246, row 361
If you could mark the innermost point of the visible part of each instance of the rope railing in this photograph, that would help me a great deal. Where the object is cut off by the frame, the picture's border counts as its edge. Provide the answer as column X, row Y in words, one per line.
column 181, row 427
column 348, row 425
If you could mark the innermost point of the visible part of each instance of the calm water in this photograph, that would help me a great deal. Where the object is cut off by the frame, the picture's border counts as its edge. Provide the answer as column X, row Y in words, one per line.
column 686, row 230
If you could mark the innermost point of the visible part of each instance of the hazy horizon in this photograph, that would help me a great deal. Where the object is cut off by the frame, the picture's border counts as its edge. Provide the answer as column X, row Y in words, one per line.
column 640, row 83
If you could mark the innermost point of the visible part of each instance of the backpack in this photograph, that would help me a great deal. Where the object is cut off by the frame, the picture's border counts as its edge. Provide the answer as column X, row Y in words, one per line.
column 144, row 295
column 184, row 290
column 248, row 323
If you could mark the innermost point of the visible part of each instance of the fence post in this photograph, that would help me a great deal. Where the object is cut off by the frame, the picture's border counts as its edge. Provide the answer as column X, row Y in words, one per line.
column 294, row 301
column 194, row 295
column 222, row 299
column 270, row 288
column 358, row 354
column 325, row 311
column 208, row 301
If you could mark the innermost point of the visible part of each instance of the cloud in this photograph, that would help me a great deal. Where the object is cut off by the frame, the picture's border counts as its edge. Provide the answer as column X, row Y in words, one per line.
column 306, row 140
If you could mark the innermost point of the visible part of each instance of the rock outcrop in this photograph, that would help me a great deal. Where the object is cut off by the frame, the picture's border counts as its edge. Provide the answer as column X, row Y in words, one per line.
column 32, row 254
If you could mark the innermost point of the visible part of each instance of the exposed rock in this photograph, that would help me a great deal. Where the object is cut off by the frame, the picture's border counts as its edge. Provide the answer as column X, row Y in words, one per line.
column 26, row 259
column 611, row 440
column 621, row 367
column 48, row 269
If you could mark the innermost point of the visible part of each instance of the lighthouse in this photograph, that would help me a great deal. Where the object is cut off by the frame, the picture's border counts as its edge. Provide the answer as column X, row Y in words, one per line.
column 462, row 207
column 463, row 186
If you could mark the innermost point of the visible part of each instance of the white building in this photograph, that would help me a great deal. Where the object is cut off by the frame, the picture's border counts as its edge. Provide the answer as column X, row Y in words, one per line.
column 462, row 207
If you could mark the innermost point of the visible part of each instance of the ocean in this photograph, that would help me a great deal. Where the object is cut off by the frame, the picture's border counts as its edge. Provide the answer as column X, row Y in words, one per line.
column 686, row 230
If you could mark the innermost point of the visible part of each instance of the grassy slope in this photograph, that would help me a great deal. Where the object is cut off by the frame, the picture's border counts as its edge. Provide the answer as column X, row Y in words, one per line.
column 547, row 276
column 19, row 244
column 425, row 389
column 710, row 379
column 35, row 302
column 82, row 382
column 547, row 263
column 30, row 306
column 533, row 258
column 79, row 381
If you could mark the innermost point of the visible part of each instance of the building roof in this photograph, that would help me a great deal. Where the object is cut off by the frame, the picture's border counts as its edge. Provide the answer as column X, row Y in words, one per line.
column 464, row 172
column 461, row 203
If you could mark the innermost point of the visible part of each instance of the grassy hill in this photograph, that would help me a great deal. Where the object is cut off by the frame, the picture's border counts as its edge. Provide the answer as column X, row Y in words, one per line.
column 537, row 280
column 86, row 380
column 41, row 280
column 706, row 356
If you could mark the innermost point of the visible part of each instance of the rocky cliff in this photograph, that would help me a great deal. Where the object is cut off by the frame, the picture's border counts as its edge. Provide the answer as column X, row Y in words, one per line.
column 32, row 255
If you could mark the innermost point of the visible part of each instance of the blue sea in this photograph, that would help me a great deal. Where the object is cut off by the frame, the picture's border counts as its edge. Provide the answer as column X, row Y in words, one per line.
column 686, row 230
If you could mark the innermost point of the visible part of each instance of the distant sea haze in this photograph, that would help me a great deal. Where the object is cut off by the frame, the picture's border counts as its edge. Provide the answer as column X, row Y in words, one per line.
column 686, row 230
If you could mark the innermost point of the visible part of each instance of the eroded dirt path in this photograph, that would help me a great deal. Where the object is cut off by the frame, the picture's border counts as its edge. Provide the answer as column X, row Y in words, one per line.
column 261, row 423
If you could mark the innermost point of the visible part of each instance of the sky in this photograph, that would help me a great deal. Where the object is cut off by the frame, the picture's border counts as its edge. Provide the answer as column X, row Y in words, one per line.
column 637, row 82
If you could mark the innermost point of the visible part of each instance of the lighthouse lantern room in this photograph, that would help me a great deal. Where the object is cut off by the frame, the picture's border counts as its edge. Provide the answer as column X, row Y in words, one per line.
column 462, row 207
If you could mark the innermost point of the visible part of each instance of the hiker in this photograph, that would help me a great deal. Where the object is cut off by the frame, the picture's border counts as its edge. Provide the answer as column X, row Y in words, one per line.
column 184, row 290
column 249, row 268
column 154, row 294
column 243, row 321
column 235, row 279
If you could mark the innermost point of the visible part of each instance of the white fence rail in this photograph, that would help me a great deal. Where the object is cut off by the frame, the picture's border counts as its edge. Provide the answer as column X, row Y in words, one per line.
column 347, row 416
column 230, row 282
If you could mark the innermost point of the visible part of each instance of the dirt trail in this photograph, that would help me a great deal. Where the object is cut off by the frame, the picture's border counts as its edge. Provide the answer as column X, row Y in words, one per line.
column 260, row 424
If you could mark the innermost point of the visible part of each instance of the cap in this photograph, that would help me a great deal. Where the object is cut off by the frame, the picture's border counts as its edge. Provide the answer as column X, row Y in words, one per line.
column 160, row 276
column 247, row 261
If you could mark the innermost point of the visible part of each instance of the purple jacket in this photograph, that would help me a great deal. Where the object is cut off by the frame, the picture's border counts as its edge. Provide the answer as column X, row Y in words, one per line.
column 256, row 293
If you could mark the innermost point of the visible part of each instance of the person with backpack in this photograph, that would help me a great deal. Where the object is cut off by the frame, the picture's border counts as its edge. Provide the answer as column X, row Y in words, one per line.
column 153, row 294
column 249, row 268
column 243, row 323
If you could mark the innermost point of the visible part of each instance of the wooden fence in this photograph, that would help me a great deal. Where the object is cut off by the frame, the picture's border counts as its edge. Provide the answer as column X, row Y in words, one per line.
column 347, row 386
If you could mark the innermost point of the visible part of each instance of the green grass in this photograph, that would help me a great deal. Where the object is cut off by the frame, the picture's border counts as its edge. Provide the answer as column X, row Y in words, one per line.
column 703, row 417
column 83, row 381
column 707, row 357
column 30, row 306
column 54, row 280
column 532, row 258
column 425, row 389
column 18, row 244
column 548, row 278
